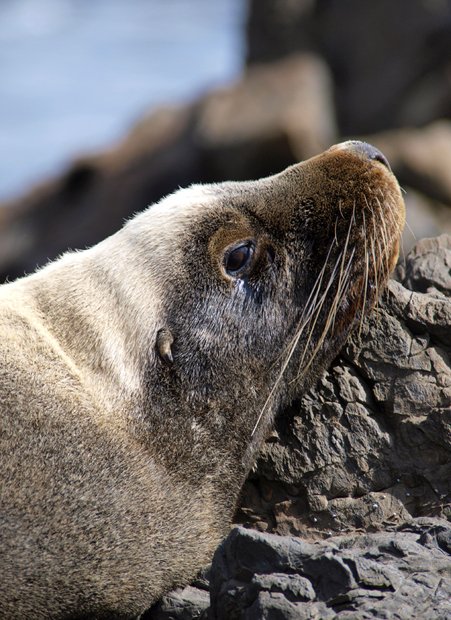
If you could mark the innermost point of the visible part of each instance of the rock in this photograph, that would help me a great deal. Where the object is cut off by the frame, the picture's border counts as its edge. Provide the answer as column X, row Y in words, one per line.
column 276, row 114
column 400, row 574
column 428, row 269
column 189, row 603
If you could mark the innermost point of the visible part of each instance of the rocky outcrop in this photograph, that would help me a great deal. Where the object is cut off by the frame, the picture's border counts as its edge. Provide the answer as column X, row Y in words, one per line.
column 400, row 574
column 190, row 603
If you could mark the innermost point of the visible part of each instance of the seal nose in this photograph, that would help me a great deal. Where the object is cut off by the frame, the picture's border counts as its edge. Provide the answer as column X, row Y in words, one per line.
column 366, row 150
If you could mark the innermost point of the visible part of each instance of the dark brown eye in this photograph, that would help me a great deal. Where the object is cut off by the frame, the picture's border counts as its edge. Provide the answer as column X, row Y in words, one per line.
column 238, row 258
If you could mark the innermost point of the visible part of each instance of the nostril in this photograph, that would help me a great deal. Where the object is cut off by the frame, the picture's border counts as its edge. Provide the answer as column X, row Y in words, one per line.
column 369, row 151
column 378, row 156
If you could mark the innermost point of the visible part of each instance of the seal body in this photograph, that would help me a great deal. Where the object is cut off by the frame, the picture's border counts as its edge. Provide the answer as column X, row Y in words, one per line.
column 138, row 378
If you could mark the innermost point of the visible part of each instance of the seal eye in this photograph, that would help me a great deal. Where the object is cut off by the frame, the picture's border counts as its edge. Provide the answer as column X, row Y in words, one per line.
column 238, row 258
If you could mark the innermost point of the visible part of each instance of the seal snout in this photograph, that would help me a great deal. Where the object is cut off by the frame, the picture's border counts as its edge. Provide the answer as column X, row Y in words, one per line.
column 365, row 150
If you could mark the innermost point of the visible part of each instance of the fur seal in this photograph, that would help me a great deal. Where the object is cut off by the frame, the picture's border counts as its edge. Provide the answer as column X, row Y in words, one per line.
column 139, row 377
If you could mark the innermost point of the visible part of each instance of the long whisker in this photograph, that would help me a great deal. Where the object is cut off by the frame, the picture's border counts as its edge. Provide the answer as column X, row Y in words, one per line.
column 310, row 304
column 365, row 288
column 410, row 229
column 386, row 204
column 376, row 276
column 332, row 311
column 319, row 307
column 384, row 237
column 383, row 234
column 331, row 316
column 392, row 210
column 376, row 248
column 309, row 309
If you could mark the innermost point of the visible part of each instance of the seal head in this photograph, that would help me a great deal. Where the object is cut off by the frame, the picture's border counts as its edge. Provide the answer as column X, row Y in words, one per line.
column 139, row 377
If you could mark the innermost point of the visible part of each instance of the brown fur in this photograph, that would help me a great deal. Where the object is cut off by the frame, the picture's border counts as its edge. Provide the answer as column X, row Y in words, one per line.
column 120, row 467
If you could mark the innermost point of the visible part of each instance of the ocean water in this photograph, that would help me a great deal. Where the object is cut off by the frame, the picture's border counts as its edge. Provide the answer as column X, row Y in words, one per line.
column 76, row 74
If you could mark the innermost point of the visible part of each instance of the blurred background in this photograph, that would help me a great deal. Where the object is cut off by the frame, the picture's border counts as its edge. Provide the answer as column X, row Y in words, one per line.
column 76, row 73
column 107, row 105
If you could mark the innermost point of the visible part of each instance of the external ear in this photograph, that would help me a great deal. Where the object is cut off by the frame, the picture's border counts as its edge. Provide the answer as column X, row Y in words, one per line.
column 163, row 344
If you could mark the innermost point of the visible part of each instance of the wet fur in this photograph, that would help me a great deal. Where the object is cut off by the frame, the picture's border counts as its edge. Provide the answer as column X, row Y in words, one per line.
column 120, row 471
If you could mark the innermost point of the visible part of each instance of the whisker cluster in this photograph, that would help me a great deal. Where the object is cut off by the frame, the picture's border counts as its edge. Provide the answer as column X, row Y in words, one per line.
column 376, row 246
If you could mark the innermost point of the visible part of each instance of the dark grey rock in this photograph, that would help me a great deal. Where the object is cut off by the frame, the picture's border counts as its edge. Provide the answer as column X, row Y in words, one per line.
column 428, row 269
column 292, row 586
column 189, row 603
column 400, row 574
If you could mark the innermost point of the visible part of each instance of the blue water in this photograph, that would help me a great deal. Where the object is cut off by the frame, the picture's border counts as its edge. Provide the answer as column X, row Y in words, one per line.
column 76, row 74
